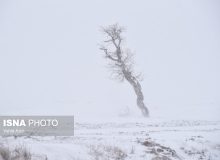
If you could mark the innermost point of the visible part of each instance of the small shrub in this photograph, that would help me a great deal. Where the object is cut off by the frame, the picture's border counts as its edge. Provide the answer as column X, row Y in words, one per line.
column 102, row 152
column 21, row 153
column 18, row 153
column 5, row 153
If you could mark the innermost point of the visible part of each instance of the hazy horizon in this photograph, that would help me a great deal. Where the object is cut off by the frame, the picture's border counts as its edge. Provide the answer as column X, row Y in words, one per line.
column 50, row 62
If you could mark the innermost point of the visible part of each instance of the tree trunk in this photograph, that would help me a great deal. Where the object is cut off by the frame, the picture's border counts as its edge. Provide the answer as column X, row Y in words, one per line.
column 137, row 88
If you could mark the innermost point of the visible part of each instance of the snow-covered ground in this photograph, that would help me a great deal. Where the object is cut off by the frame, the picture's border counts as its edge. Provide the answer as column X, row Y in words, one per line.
column 129, row 139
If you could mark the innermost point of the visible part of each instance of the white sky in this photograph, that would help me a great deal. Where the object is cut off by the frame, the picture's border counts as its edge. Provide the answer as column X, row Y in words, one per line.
column 50, row 61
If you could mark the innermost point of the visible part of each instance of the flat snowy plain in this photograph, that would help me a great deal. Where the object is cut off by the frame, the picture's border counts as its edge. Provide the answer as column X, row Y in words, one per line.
column 128, row 139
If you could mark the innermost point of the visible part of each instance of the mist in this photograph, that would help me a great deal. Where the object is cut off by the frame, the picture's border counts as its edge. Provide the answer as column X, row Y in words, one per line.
column 50, row 62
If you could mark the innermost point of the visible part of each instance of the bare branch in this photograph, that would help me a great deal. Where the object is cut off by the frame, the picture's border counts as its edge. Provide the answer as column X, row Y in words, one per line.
column 107, row 54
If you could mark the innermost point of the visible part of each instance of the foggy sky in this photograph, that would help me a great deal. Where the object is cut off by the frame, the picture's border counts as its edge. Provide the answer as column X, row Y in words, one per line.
column 50, row 62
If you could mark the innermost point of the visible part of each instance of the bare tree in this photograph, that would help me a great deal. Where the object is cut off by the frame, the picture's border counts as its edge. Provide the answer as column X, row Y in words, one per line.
column 121, row 62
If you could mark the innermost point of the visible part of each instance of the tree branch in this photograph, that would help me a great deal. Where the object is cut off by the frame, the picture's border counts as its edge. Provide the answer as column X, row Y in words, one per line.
column 108, row 55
